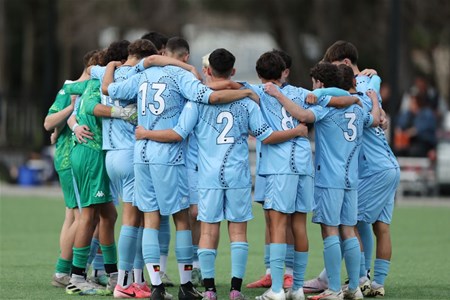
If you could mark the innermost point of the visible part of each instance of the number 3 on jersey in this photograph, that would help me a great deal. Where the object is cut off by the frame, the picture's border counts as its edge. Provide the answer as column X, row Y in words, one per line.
column 155, row 108
column 351, row 133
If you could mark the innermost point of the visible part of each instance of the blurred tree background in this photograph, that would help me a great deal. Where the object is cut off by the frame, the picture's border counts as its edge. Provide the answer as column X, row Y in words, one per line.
column 43, row 42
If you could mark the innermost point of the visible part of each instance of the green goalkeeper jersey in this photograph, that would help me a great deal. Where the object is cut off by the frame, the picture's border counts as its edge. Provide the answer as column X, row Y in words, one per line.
column 64, row 142
column 90, row 96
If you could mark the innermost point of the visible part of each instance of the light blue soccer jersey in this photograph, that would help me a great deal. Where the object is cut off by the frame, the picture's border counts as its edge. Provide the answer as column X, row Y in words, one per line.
column 117, row 133
column 192, row 152
column 293, row 156
column 222, row 132
column 376, row 154
column 161, row 93
column 364, row 83
column 338, row 138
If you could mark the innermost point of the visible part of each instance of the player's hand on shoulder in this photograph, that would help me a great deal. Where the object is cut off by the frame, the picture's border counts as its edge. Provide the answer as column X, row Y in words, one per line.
column 271, row 89
column 311, row 99
column 196, row 73
column 115, row 63
column 253, row 96
column 368, row 72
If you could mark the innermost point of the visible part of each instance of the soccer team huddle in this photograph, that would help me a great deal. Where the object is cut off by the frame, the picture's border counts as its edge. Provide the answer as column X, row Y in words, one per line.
column 143, row 126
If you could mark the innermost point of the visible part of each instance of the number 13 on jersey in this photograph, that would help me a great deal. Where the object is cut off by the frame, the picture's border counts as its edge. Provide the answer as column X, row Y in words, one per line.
column 157, row 104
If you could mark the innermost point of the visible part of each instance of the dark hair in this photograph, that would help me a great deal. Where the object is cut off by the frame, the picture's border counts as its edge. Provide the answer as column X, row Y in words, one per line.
column 142, row 48
column 327, row 73
column 177, row 45
column 87, row 57
column 117, row 51
column 286, row 57
column 158, row 39
column 221, row 62
column 98, row 58
column 347, row 77
column 270, row 66
column 341, row 50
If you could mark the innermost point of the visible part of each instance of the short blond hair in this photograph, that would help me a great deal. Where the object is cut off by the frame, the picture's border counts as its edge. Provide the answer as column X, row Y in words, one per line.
column 205, row 60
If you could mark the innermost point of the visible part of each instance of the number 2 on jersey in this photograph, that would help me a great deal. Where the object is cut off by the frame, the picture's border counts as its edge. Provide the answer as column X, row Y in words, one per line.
column 223, row 138
column 155, row 109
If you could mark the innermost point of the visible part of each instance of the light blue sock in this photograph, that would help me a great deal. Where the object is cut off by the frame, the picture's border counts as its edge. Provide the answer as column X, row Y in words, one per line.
column 195, row 252
column 352, row 257
column 381, row 270
column 207, row 259
column 239, row 256
column 164, row 235
column 95, row 243
column 127, row 247
column 267, row 255
column 150, row 246
column 98, row 263
column 362, row 266
column 289, row 262
column 366, row 235
column 139, row 258
column 332, row 258
column 300, row 262
column 277, row 257
column 183, row 247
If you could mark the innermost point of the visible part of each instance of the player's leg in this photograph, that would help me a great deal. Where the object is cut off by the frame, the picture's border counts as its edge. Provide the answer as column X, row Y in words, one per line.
column 164, row 242
column 281, row 194
column 266, row 279
column 383, row 258
column 173, row 200
column 195, row 224
column 328, row 204
column 207, row 256
column 210, row 214
column 298, row 225
column 195, row 229
column 238, row 211
column 61, row 277
column 351, row 248
column 289, row 261
column 81, row 250
column 108, row 217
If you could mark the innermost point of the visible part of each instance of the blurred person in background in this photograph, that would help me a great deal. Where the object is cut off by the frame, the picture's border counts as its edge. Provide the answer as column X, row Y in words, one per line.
column 415, row 132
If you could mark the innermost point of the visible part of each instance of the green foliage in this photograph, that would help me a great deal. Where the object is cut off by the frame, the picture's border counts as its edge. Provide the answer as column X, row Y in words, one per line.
column 29, row 230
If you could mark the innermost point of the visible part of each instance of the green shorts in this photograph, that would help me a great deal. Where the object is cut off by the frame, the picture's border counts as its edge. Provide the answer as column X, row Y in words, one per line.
column 89, row 169
column 67, row 185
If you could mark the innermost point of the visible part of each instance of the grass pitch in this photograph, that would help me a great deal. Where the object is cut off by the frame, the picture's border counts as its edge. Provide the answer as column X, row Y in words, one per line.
column 29, row 233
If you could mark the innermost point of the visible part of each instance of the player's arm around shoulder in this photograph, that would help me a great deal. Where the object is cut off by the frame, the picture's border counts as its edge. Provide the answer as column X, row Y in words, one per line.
column 303, row 115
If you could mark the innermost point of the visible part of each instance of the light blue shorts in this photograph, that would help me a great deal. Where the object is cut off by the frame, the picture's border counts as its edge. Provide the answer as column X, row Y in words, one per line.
column 334, row 207
column 234, row 205
column 376, row 195
column 288, row 193
column 160, row 187
column 193, row 184
column 260, row 189
column 119, row 165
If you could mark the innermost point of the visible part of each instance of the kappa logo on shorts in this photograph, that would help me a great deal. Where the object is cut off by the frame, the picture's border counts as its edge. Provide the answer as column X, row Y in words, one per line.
column 184, row 200
column 99, row 194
